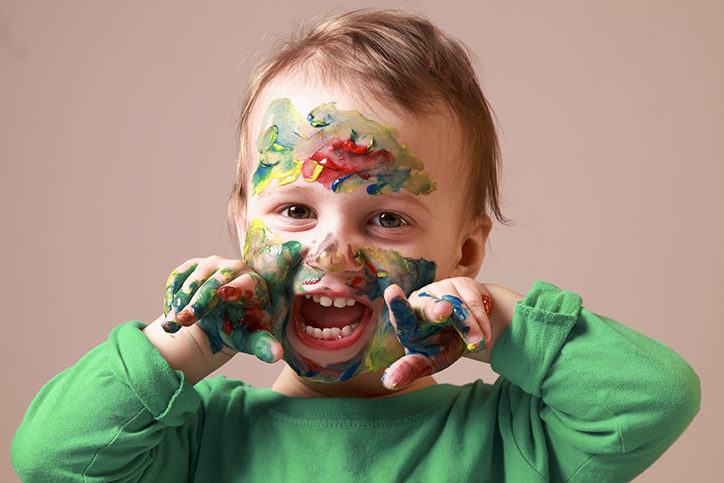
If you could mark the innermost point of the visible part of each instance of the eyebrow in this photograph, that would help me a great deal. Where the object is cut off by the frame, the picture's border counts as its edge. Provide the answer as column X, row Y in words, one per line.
column 407, row 197
column 404, row 196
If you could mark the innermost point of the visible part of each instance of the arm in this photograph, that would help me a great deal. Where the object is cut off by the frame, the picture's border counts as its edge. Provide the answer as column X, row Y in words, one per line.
column 127, row 410
column 605, row 400
column 582, row 397
column 110, row 417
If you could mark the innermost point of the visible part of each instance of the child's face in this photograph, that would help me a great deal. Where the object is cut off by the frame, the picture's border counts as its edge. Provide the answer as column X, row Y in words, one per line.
column 346, row 198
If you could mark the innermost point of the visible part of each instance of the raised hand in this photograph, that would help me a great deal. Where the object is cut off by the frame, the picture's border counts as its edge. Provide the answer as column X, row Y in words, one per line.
column 227, row 300
column 436, row 326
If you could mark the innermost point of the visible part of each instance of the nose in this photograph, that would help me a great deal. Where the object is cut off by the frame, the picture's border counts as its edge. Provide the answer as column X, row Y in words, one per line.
column 334, row 256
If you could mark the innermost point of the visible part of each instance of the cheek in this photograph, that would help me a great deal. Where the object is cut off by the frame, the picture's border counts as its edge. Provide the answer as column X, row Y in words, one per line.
column 384, row 347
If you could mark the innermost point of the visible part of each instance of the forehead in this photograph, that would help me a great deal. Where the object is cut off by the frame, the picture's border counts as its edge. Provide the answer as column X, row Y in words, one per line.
column 302, row 110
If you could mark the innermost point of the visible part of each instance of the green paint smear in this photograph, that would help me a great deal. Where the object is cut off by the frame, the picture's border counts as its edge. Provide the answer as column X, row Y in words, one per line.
column 173, row 285
column 290, row 146
column 266, row 254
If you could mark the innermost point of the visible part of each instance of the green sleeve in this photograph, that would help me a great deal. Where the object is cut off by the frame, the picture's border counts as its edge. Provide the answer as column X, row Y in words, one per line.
column 588, row 399
column 119, row 414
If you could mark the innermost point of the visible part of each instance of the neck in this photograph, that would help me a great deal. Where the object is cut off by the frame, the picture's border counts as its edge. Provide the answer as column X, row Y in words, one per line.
column 367, row 385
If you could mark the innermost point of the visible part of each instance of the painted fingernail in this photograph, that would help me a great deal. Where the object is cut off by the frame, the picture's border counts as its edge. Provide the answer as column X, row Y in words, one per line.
column 385, row 382
column 171, row 326
column 476, row 345
column 263, row 352
column 185, row 316
column 228, row 293
column 486, row 304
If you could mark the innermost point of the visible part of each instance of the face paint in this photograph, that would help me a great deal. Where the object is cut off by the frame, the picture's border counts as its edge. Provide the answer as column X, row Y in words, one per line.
column 279, row 264
column 342, row 150
column 331, row 256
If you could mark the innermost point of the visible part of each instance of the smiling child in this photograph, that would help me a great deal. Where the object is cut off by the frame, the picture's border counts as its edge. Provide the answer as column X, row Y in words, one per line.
column 366, row 181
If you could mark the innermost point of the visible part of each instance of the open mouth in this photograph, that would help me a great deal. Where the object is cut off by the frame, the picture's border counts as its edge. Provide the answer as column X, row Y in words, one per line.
column 329, row 321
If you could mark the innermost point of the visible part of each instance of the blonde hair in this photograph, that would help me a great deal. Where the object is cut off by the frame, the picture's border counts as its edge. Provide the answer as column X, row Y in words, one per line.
column 401, row 57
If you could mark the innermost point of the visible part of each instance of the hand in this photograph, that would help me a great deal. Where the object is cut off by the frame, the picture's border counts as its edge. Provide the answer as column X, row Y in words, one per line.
column 436, row 326
column 226, row 299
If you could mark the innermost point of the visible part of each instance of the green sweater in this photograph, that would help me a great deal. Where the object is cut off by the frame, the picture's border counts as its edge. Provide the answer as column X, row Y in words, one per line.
column 580, row 398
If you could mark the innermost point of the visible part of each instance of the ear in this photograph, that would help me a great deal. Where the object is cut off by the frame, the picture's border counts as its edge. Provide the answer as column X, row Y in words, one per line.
column 472, row 247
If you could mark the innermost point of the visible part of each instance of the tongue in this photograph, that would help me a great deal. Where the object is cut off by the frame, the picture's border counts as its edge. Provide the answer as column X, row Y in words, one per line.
column 328, row 317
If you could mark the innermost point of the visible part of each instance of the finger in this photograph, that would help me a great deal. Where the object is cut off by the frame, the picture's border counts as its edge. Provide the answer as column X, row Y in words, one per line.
column 408, row 324
column 460, row 319
column 451, row 310
column 245, row 287
column 181, row 299
column 434, row 309
column 205, row 298
column 175, row 281
column 243, row 330
column 264, row 346
column 479, row 321
column 406, row 369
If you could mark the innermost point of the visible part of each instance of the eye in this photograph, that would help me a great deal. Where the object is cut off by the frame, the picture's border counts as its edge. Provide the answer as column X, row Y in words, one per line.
column 388, row 219
column 299, row 212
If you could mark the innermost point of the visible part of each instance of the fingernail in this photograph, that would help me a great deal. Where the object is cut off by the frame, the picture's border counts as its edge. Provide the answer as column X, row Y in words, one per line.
column 171, row 326
column 389, row 386
column 476, row 345
column 384, row 377
column 186, row 315
column 265, row 355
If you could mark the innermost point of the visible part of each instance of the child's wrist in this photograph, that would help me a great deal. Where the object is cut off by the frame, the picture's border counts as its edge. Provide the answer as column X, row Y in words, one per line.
column 187, row 350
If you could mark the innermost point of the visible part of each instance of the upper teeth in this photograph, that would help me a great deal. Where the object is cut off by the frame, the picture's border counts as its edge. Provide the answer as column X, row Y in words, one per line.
column 325, row 301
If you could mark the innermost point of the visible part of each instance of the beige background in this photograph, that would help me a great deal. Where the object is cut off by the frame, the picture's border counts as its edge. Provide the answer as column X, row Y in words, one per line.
column 117, row 148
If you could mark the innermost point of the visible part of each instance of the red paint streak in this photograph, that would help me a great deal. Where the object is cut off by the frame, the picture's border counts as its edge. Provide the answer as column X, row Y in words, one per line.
column 228, row 293
column 356, row 281
column 487, row 304
column 340, row 158
column 254, row 319
column 371, row 267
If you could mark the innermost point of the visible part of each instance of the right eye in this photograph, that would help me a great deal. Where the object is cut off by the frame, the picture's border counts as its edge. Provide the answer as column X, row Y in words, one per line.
column 299, row 212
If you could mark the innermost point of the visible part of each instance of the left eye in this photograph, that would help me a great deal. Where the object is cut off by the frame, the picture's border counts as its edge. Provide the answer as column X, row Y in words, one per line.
column 299, row 212
column 389, row 220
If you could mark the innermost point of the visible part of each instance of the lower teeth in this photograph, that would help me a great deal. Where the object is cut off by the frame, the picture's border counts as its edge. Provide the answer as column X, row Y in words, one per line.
column 329, row 333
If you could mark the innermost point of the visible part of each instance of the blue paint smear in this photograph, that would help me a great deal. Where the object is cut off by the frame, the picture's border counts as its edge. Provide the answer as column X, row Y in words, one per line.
column 411, row 329
column 373, row 189
column 460, row 313
column 338, row 181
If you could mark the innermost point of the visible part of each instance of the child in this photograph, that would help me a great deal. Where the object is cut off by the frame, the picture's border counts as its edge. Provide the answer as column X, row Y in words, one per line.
column 366, row 174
